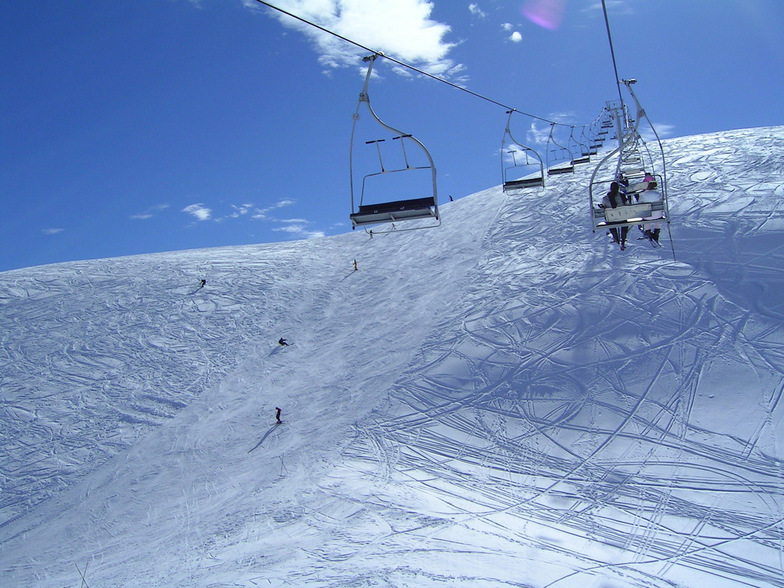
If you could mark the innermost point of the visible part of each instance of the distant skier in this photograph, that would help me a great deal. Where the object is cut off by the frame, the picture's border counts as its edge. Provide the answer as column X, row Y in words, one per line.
column 277, row 415
column 282, row 342
column 202, row 283
column 355, row 265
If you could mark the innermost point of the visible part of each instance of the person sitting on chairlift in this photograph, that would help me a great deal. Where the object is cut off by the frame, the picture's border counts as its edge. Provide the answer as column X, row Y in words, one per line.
column 651, row 231
column 614, row 199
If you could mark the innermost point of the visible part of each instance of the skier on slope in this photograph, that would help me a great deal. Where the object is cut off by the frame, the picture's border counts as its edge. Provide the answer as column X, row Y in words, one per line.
column 277, row 415
column 282, row 342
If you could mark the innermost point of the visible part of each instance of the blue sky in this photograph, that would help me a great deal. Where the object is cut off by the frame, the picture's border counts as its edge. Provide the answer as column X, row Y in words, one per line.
column 158, row 125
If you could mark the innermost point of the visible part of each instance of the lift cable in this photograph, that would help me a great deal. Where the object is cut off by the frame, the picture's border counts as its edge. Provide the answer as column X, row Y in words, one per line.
column 411, row 67
column 612, row 52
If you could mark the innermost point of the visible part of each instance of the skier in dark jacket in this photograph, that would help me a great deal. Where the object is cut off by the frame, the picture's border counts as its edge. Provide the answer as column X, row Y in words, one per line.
column 614, row 199
column 277, row 415
column 282, row 342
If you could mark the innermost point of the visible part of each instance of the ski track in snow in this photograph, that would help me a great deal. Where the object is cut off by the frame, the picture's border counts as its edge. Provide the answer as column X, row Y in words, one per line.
column 506, row 401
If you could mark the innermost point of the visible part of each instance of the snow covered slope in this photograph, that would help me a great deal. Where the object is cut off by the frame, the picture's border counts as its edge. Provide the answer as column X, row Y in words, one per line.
column 508, row 400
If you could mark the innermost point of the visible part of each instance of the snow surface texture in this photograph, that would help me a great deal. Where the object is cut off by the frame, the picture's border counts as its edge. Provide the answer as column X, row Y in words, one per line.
column 508, row 400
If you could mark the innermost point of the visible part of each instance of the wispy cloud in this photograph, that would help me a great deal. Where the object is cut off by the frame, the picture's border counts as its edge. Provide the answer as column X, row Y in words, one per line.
column 476, row 11
column 539, row 131
column 663, row 130
column 400, row 28
column 241, row 210
column 263, row 213
column 52, row 231
column 298, row 228
column 198, row 211
column 150, row 212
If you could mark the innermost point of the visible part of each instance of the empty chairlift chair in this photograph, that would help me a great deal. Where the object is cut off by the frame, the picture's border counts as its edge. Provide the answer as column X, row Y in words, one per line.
column 581, row 153
column 521, row 166
column 421, row 205
column 559, row 157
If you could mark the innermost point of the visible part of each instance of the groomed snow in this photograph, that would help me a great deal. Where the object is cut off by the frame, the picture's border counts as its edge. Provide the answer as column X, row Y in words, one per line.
column 508, row 400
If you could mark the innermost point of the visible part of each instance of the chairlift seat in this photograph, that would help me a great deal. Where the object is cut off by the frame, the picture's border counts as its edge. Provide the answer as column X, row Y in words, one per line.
column 634, row 174
column 554, row 171
column 369, row 214
column 524, row 183
column 585, row 159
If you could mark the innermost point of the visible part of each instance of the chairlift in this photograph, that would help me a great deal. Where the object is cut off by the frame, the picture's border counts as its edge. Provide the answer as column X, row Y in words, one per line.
column 632, row 164
column 589, row 150
column 596, row 133
column 580, row 152
column 370, row 212
column 559, row 158
column 527, row 168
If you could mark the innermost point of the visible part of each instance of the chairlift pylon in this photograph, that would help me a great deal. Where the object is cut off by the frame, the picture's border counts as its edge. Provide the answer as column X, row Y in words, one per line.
column 368, row 212
column 527, row 169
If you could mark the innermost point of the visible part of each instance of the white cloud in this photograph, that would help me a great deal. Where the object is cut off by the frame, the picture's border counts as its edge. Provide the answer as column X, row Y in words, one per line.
column 150, row 212
column 199, row 211
column 538, row 133
column 402, row 29
column 52, row 231
column 663, row 130
column 241, row 210
column 261, row 213
column 507, row 26
column 476, row 11
column 297, row 228
column 516, row 37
